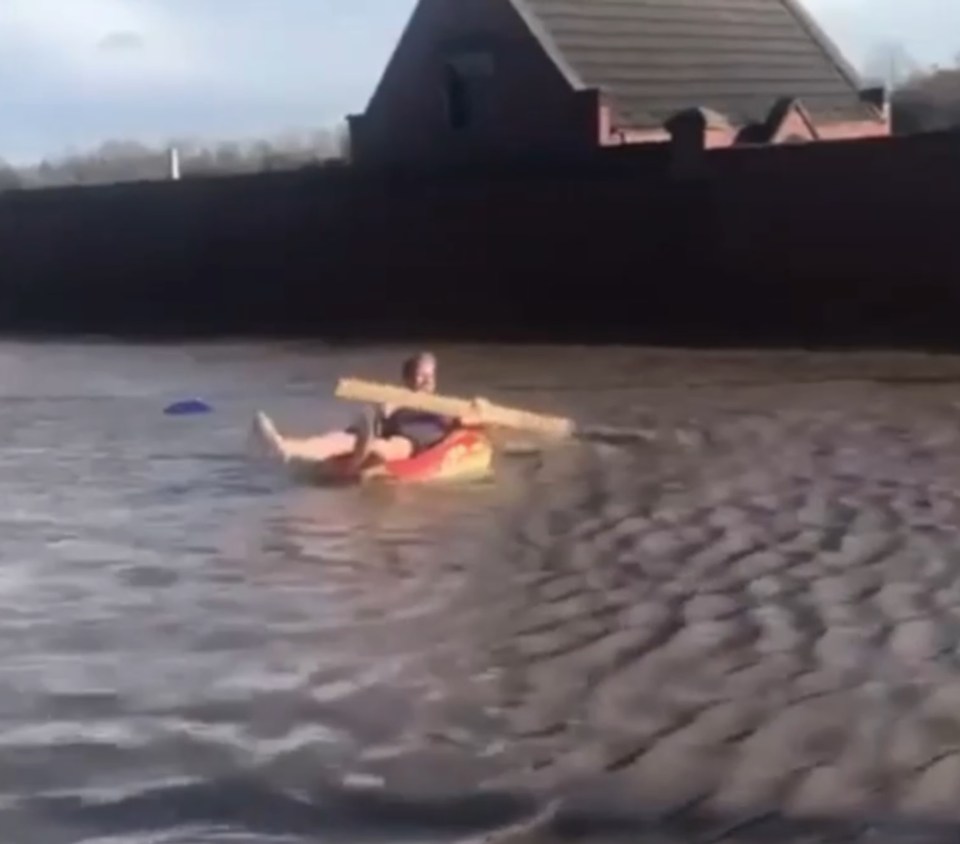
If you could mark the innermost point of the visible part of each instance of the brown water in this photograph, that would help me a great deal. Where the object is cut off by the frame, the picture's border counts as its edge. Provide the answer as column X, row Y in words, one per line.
column 752, row 639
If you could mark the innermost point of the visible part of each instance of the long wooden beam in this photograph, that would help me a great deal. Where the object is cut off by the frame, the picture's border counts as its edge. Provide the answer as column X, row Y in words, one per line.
column 558, row 427
column 354, row 389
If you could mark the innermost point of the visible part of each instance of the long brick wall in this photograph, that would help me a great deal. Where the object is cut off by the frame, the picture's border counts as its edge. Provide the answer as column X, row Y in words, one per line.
column 833, row 242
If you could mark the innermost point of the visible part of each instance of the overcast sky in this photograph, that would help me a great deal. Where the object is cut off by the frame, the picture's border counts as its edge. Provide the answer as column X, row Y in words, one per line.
column 76, row 72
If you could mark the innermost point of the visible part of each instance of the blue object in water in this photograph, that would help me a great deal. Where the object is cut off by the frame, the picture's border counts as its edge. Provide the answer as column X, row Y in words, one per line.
column 187, row 407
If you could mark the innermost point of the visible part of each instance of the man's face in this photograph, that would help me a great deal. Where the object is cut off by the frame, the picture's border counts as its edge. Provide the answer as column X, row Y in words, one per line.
column 425, row 376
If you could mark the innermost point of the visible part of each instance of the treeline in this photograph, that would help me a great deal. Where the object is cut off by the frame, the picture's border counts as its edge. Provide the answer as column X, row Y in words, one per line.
column 925, row 101
column 928, row 102
column 127, row 161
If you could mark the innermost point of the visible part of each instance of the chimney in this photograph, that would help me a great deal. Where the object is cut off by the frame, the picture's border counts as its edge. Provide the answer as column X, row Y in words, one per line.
column 692, row 132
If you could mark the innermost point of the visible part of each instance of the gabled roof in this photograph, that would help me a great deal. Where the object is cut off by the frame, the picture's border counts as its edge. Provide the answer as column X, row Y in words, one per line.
column 653, row 58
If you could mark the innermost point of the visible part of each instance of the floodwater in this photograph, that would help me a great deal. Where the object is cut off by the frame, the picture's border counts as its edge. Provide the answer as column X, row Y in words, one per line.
column 750, row 638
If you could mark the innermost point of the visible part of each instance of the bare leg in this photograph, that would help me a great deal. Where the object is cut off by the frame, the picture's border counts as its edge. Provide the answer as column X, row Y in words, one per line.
column 394, row 448
column 343, row 444
column 334, row 444
column 327, row 446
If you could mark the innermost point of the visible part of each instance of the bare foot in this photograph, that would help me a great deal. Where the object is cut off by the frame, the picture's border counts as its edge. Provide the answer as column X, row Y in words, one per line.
column 268, row 435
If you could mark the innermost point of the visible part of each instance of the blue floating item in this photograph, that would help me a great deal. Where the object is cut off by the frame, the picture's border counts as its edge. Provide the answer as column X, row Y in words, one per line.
column 187, row 407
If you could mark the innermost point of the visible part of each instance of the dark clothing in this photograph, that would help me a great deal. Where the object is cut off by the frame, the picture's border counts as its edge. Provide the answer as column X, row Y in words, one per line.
column 424, row 430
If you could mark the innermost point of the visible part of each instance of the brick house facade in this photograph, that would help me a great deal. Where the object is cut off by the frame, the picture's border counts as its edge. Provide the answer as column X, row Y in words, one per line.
column 473, row 79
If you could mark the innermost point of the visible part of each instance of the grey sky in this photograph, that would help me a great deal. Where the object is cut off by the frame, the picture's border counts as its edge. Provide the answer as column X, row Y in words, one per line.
column 76, row 72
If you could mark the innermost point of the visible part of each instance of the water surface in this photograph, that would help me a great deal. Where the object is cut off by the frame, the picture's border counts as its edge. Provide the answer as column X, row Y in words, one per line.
column 195, row 648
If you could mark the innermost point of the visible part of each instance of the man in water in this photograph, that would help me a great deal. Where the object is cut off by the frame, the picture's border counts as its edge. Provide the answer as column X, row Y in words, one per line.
column 396, row 433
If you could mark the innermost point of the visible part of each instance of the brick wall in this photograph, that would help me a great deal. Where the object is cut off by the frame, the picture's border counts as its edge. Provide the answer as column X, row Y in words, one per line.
column 848, row 241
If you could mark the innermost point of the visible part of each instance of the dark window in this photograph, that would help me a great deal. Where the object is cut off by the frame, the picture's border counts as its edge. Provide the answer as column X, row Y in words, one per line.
column 465, row 76
column 457, row 91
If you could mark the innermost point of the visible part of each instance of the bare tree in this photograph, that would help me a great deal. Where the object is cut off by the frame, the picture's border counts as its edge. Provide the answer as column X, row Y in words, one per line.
column 892, row 65
column 928, row 102
column 9, row 178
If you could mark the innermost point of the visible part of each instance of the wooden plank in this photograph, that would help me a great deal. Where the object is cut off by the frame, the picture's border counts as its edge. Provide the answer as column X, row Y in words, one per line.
column 479, row 411
column 354, row 389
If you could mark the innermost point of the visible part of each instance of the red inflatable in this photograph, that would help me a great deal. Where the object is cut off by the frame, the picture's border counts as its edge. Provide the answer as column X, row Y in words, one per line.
column 467, row 453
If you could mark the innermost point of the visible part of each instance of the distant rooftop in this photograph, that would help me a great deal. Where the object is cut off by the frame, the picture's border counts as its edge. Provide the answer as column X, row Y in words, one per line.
column 653, row 58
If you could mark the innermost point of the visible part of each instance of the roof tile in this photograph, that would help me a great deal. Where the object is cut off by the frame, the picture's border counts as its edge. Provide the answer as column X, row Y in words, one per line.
column 654, row 58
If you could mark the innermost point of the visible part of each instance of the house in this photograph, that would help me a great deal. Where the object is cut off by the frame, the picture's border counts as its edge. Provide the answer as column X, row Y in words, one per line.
column 487, row 78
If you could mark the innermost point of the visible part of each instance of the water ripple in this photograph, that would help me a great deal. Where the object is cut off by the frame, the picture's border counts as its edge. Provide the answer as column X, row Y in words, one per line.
column 193, row 648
